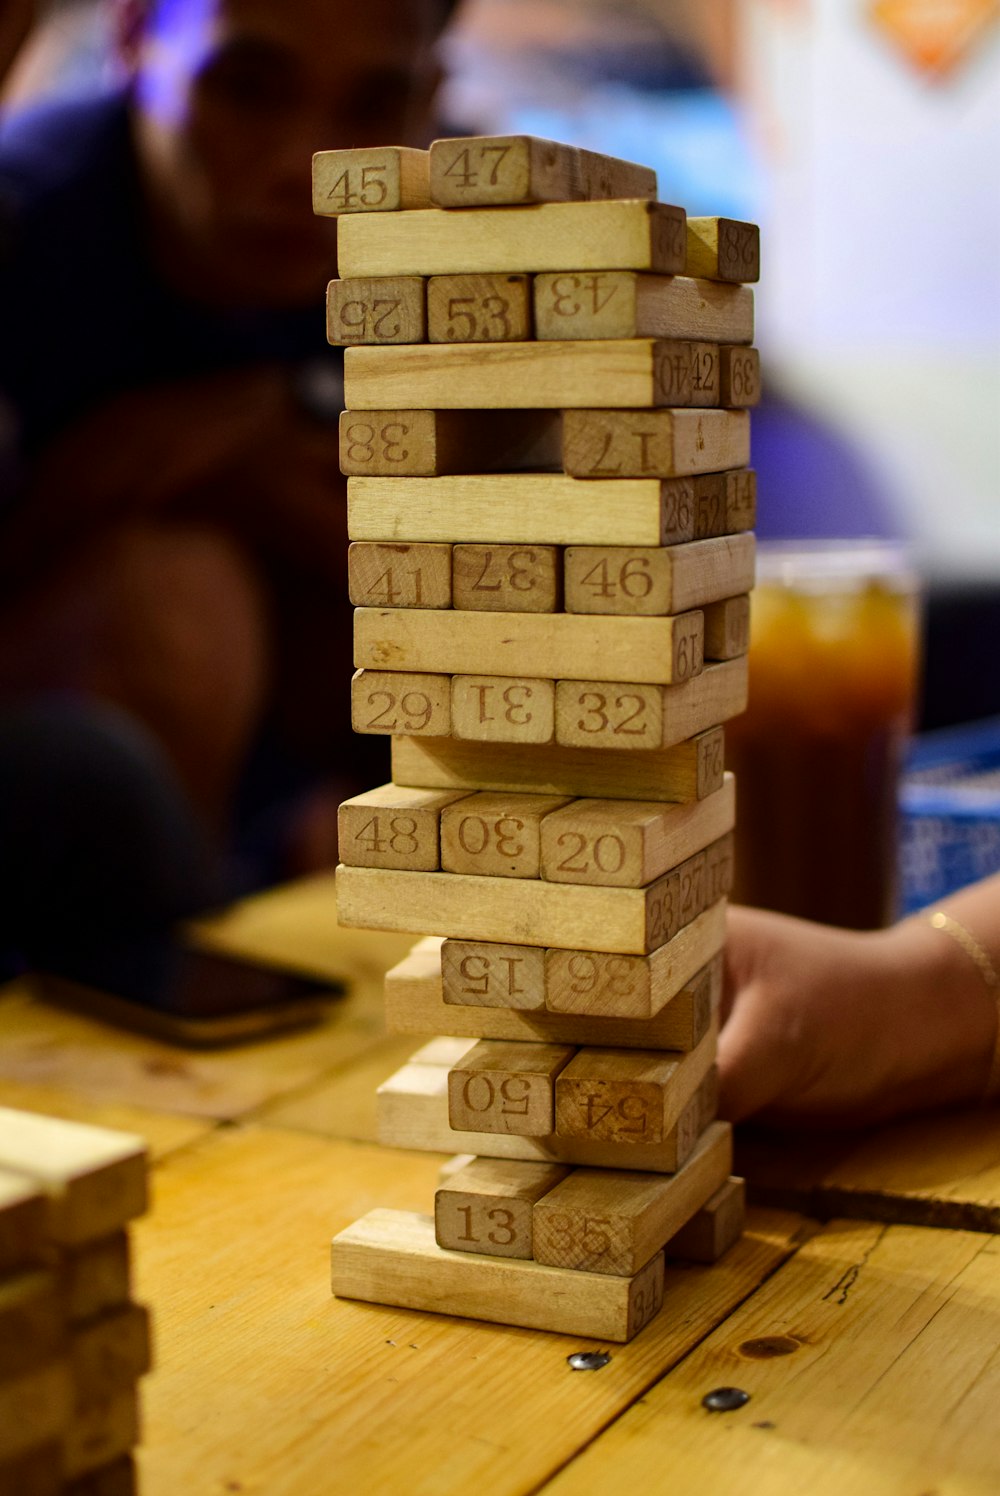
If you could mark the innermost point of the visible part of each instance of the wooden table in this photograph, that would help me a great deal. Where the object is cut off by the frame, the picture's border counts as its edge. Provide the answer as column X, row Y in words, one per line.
column 869, row 1344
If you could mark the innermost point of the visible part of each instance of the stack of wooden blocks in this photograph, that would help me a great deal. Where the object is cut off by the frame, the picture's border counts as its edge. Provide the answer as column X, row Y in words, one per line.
column 547, row 377
column 72, row 1344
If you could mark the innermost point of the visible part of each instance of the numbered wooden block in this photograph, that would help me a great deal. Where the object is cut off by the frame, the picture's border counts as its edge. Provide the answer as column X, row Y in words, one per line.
column 486, row 1207
column 611, row 1221
column 481, row 974
column 109, row 1354
column 739, row 377
column 376, row 310
column 627, row 845
column 689, row 770
column 479, row 309
column 507, row 578
column 32, row 1322
column 631, row 717
column 486, row 171
column 506, row 1088
column 653, row 443
column 380, row 179
column 495, row 835
column 706, row 367
column 719, row 869
column 101, row 1432
column 607, row 986
column 627, row 304
column 723, row 249
column 503, row 709
column 522, row 508
column 381, row 574
column 94, row 1179
column 655, row 580
column 654, row 650
column 391, row 1257
column 35, row 1410
column 23, row 1211
column 431, row 443
column 716, row 1227
column 628, row 1096
column 394, row 827
column 95, row 1279
column 627, row 235
column 391, row 701
column 724, row 503
column 727, row 628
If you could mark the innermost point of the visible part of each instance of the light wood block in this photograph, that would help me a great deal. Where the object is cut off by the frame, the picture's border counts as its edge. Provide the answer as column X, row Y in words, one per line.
column 503, row 709
column 479, row 309
column 101, row 1432
column 394, row 827
column 391, row 1257
column 35, row 1409
column 392, row 701
column 724, row 503
column 95, row 1179
column 627, row 304
column 611, row 1221
column 432, row 443
column 653, row 581
column 23, row 1212
column 507, row 1088
column 109, row 1354
column 655, row 650
column 654, row 443
column 629, row 235
column 522, row 509
column 377, row 179
column 629, row 1096
column 96, row 1278
column 716, row 1227
column 484, row 974
column 486, row 1207
column 32, row 1322
column 615, row 845
column 727, row 628
column 690, row 769
column 706, row 366
column 723, row 249
column 414, row 1004
column 490, row 170
column 719, row 866
column 635, row 717
column 545, row 376
column 739, row 378
column 381, row 574
column 495, row 834
column 606, row 986
column 376, row 309
column 507, row 578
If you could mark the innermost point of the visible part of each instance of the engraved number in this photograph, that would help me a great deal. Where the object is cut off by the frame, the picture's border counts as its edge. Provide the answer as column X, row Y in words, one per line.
column 415, row 711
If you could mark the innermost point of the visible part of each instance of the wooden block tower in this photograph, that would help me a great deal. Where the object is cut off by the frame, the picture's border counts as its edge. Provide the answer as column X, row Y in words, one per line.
column 548, row 376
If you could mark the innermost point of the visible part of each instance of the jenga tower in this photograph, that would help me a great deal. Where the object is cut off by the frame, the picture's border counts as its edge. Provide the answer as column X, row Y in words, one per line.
column 546, row 441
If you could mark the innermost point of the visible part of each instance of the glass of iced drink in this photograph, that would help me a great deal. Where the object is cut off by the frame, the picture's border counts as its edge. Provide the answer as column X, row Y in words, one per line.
column 833, row 681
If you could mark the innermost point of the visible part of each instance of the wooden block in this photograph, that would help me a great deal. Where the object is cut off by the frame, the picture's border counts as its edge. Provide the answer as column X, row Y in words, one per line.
column 611, row 1221
column 443, row 1050
column 602, row 985
column 391, row 1257
column 35, row 1410
column 630, row 235
column 706, row 367
column 101, row 1432
column 414, row 1004
column 479, row 309
column 486, row 1207
column 627, row 304
column 379, row 179
column 627, row 845
column 503, row 709
column 689, row 770
column 716, row 1227
column 117, row 1479
column 96, row 1278
column 507, row 578
column 522, row 509
column 624, row 715
column 653, row 580
column 723, row 249
column 491, row 170
column 484, row 974
column 545, row 376
column 431, row 443
column 23, row 1212
column 32, row 1322
column 727, row 628
column 400, row 576
column 376, row 309
column 739, row 377
column 95, row 1179
column 37, row 1472
column 628, row 1096
column 394, row 827
column 109, row 1354
column 503, row 1087
column 653, row 443
column 391, row 701
column 655, row 650
column 495, row 834
column 719, row 866
column 724, row 503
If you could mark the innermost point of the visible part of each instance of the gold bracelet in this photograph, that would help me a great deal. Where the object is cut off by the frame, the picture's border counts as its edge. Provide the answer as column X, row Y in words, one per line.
column 938, row 920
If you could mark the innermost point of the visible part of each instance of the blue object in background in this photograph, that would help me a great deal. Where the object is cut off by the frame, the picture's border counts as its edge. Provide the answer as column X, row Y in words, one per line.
column 950, row 813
